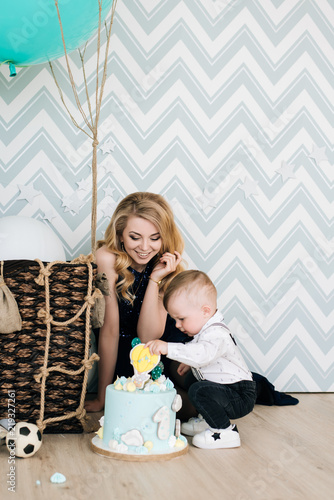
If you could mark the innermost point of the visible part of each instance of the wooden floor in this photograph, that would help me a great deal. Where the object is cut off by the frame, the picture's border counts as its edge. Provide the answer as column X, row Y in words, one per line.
column 286, row 453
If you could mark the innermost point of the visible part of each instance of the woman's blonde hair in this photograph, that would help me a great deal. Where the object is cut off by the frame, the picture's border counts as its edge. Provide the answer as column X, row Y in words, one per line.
column 154, row 208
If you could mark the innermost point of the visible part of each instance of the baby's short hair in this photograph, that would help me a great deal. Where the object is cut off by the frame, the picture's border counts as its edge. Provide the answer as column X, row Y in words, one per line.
column 195, row 283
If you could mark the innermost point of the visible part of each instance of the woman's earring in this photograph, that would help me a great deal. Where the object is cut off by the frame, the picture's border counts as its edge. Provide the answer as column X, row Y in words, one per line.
column 122, row 246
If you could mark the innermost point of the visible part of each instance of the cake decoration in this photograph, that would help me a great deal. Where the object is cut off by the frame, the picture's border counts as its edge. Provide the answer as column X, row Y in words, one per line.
column 133, row 438
column 135, row 341
column 162, row 417
column 58, row 478
column 130, row 386
column 171, row 441
column 100, row 432
column 177, row 427
column 156, row 372
column 169, row 384
column 143, row 362
column 148, row 445
column 113, row 444
column 180, row 442
column 177, row 403
column 118, row 385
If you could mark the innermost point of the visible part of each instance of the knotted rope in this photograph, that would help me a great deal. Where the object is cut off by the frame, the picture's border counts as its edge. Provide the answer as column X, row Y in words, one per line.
column 47, row 318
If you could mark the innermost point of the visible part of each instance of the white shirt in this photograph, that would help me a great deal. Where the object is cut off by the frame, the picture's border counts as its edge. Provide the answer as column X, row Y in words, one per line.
column 212, row 354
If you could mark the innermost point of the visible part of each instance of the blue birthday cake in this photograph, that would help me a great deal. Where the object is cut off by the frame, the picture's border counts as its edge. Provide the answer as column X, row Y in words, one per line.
column 139, row 421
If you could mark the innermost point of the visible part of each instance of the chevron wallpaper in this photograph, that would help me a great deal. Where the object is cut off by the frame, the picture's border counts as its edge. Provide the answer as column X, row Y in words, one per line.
column 226, row 108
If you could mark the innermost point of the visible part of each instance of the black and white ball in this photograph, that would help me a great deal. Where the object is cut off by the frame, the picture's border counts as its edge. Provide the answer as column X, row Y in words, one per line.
column 24, row 440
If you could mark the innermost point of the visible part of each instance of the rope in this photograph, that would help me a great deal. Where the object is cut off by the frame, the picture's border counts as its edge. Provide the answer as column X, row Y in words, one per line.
column 90, row 122
column 47, row 318
column 87, row 364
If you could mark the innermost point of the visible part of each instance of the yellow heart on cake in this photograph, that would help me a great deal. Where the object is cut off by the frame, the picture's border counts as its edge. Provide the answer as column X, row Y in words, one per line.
column 142, row 360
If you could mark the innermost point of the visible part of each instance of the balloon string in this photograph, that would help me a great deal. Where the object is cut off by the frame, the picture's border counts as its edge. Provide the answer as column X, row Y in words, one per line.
column 91, row 124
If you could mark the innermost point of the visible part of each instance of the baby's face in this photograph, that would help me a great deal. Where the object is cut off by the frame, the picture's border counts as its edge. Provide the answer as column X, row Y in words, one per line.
column 189, row 317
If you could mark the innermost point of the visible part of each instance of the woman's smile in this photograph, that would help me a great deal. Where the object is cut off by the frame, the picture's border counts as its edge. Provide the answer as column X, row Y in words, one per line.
column 142, row 254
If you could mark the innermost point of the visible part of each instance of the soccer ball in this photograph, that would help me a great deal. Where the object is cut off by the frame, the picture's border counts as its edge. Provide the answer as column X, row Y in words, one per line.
column 24, row 440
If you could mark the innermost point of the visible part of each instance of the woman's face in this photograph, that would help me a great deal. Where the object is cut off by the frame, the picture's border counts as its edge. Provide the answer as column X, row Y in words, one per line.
column 141, row 240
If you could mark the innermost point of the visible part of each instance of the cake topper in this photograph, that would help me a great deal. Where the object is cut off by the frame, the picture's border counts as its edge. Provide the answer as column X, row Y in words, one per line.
column 143, row 362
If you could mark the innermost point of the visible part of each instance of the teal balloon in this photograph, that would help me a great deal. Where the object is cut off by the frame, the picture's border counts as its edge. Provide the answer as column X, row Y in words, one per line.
column 156, row 372
column 135, row 341
column 30, row 31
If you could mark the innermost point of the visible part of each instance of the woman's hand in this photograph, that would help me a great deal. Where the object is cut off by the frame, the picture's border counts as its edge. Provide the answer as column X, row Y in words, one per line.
column 167, row 264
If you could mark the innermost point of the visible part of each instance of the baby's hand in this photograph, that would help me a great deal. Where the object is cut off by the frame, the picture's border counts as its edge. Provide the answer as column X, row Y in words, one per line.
column 157, row 347
column 183, row 369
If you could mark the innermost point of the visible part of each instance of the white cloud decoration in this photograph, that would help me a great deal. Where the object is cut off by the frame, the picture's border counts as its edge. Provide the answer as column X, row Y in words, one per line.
column 133, row 438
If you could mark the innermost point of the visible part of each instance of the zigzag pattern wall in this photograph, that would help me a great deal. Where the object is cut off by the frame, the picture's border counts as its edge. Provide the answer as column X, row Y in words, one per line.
column 226, row 108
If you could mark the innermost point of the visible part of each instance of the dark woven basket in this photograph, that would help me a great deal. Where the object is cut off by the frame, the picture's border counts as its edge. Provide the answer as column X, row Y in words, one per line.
column 22, row 353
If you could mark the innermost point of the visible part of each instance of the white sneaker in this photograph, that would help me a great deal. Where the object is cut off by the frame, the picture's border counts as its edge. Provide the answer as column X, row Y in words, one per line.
column 194, row 426
column 211, row 439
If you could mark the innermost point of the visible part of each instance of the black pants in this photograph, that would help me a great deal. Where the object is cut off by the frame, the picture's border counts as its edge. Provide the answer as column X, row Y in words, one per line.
column 218, row 403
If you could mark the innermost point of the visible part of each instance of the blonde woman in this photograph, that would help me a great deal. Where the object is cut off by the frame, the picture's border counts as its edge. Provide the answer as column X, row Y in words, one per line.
column 140, row 255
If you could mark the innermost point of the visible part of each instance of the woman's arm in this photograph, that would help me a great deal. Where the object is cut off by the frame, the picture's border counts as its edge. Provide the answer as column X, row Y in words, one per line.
column 152, row 318
column 109, row 332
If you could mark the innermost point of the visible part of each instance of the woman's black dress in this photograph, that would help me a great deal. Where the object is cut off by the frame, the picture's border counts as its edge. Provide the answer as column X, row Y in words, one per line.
column 128, row 319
